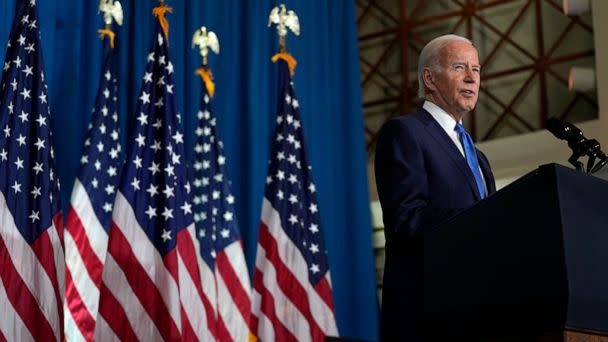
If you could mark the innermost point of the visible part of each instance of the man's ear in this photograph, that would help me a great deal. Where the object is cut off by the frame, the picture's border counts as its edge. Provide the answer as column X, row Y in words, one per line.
column 428, row 79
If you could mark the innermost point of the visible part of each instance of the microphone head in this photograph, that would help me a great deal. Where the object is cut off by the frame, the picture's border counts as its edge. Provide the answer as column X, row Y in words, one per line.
column 563, row 130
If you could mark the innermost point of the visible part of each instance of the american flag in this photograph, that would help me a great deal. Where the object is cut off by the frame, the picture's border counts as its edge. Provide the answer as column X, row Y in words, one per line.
column 225, row 279
column 90, row 214
column 292, row 296
column 151, row 283
column 32, row 265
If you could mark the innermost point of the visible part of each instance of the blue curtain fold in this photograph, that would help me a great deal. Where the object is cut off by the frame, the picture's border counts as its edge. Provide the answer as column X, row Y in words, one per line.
column 326, row 81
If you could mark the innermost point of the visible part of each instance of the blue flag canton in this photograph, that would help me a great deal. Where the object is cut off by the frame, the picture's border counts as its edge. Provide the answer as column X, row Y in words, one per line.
column 214, row 209
column 27, row 168
column 154, row 175
column 101, row 159
column 289, row 184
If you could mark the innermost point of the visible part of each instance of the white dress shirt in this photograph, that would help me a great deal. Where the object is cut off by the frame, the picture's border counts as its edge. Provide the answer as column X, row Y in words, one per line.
column 447, row 122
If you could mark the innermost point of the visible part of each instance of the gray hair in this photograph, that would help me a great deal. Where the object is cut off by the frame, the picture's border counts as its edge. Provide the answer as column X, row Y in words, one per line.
column 429, row 56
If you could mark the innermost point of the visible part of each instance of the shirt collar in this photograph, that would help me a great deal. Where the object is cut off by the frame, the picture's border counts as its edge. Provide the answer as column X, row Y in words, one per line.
column 445, row 120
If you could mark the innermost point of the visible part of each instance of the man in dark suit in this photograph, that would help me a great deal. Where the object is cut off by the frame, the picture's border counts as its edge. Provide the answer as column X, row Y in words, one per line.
column 427, row 169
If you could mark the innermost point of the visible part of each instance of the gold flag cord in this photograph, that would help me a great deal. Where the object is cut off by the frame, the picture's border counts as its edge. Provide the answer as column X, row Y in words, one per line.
column 109, row 33
column 291, row 62
column 159, row 12
column 207, row 77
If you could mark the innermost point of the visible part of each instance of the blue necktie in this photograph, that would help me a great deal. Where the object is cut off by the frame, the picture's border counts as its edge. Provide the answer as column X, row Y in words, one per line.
column 471, row 155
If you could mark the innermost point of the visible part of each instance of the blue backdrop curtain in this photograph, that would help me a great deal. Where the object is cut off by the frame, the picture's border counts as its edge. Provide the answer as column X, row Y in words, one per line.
column 327, row 85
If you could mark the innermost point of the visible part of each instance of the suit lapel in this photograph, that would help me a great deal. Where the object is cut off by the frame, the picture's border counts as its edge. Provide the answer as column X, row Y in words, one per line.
column 443, row 140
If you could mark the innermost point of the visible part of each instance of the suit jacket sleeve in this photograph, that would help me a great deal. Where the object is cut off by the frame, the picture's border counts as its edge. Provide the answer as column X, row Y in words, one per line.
column 403, row 183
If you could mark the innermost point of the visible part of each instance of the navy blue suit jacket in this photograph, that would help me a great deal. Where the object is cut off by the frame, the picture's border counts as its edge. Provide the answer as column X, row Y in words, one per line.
column 422, row 179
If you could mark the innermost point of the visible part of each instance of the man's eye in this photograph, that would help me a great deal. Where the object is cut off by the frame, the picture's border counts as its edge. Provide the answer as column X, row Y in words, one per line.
column 459, row 67
column 476, row 70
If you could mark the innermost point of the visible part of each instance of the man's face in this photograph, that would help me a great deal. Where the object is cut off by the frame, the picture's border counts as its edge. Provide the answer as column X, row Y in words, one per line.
column 457, row 79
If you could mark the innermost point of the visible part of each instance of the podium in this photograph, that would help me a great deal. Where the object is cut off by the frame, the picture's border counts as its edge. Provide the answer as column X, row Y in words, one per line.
column 523, row 264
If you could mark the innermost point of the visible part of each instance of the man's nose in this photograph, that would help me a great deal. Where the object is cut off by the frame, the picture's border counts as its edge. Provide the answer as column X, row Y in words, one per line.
column 470, row 76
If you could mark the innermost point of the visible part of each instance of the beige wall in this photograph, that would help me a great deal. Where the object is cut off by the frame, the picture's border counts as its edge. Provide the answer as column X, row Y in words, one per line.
column 514, row 156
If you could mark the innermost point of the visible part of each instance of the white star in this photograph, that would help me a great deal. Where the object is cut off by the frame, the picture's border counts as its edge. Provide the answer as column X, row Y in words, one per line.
column 292, row 158
column 314, row 248
column 143, row 119
column 161, row 81
column 161, row 59
column 21, row 139
column 7, row 66
column 187, row 208
column 151, row 57
column 95, row 183
column 14, row 84
column 141, row 140
column 114, row 135
column 169, row 68
column 97, row 165
column 293, row 199
column 156, row 146
column 108, row 75
column 39, row 144
column 100, row 146
column 281, row 155
column 28, row 71
column 225, row 233
column 175, row 158
column 84, row 159
column 151, row 212
column 293, row 179
column 169, row 192
column 178, row 137
column 137, row 161
column 4, row 154
column 312, row 188
column 145, row 97
column 280, row 194
column 104, row 111
column 36, row 191
column 169, row 170
column 37, row 167
column 23, row 116
column 148, row 77
column 41, row 120
column 159, row 102
column 280, row 175
column 11, row 108
column 314, row 228
column 291, row 138
column 114, row 153
column 16, row 187
column 107, row 207
column 19, row 163
column 153, row 190
column 221, row 160
column 21, row 40
column 228, row 216
column 17, row 62
column 135, row 183
column 166, row 236
column 42, row 97
column 106, row 93
column 154, row 168
column 167, row 213
column 112, row 171
column 34, row 216
column 313, row 208
column 102, row 129
column 109, row 189
column 296, row 124
column 7, row 131
column 314, row 268
column 158, row 124
column 30, row 48
column 297, row 144
column 293, row 219
column 170, row 88
column 25, row 20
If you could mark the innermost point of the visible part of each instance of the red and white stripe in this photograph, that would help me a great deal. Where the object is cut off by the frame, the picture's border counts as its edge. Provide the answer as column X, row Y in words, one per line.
column 31, row 281
column 226, row 294
column 286, row 306
column 145, row 296
column 86, row 243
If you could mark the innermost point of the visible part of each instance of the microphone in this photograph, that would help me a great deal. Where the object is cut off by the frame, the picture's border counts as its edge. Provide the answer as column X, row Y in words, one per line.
column 579, row 144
